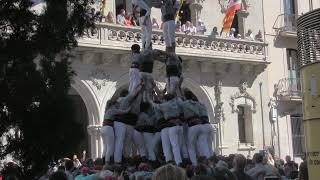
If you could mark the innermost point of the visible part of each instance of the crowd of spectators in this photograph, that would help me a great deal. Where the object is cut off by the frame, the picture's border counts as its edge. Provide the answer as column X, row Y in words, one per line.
column 132, row 19
column 232, row 167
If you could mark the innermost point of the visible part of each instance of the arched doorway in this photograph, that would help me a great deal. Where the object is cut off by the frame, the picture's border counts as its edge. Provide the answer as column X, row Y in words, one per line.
column 81, row 117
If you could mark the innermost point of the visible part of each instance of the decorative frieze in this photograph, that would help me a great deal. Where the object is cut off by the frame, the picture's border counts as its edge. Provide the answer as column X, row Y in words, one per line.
column 242, row 94
column 99, row 78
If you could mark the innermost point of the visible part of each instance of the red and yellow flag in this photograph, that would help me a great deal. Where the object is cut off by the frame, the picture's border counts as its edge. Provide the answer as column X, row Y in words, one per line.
column 233, row 6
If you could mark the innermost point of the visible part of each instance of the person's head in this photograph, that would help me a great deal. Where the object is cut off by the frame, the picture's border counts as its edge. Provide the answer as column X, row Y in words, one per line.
column 288, row 158
column 201, row 169
column 59, row 175
column 98, row 164
column 110, row 18
column 257, row 158
column 188, row 23
column 69, row 165
column 249, row 31
column 144, row 167
column 200, row 22
column 239, row 162
column 169, row 172
column 178, row 23
column 135, row 48
column 85, row 171
column 122, row 12
column 92, row 10
column 260, row 32
column 215, row 29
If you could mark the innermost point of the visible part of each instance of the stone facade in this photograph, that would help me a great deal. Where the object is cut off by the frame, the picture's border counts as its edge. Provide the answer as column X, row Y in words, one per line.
column 228, row 75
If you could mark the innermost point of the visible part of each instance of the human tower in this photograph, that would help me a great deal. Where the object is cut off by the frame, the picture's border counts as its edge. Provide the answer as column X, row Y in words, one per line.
column 145, row 118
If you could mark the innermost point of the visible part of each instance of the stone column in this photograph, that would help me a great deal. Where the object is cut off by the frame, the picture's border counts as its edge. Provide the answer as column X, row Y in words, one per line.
column 242, row 15
column 95, row 141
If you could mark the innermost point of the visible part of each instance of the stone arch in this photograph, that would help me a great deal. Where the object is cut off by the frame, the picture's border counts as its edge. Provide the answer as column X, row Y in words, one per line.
column 92, row 106
column 202, row 95
column 89, row 99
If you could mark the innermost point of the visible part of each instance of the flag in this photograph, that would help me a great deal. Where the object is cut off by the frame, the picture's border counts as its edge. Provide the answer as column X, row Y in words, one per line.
column 104, row 5
column 233, row 6
column 180, row 5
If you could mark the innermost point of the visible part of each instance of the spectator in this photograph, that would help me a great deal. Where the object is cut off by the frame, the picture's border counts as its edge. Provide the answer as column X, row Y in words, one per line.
column 121, row 19
column 69, row 168
column 189, row 28
column 303, row 169
column 178, row 26
column 128, row 20
column 249, row 35
column 239, row 163
column 169, row 172
column 155, row 24
column 290, row 166
column 201, row 28
column 259, row 36
column 144, row 172
column 231, row 33
column 110, row 18
column 258, row 172
column 59, row 175
column 214, row 32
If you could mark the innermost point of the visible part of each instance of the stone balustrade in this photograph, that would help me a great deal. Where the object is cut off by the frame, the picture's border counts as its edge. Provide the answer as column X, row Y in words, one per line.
column 121, row 37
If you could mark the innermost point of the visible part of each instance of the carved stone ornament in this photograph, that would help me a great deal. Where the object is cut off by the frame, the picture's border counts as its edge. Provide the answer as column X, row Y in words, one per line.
column 99, row 78
column 243, row 94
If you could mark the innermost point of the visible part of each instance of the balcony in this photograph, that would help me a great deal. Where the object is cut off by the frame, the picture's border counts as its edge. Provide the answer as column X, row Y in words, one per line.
column 288, row 95
column 286, row 25
column 111, row 37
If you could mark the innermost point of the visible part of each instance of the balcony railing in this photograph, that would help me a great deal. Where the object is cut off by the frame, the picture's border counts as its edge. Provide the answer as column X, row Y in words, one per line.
column 286, row 23
column 289, row 87
column 118, row 36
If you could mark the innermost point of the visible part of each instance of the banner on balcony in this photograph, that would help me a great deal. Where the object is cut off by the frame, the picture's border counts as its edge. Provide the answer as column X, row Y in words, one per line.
column 103, row 8
column 233, row 6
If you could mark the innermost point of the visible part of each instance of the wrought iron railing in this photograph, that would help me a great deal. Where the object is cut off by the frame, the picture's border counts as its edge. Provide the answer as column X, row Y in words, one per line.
column 286, row 22
column 289, row 87
column 115, row 35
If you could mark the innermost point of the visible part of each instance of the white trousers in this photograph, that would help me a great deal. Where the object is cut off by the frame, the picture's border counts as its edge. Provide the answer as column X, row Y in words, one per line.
column 134, row 78
column 123, row 135
column 184, row 144
column 139, row 142
column 198, row 135
column 171, row 138
column 172, row 86
column 107, row 135
column 151, row 141
column 146, row 31
column 169, row 30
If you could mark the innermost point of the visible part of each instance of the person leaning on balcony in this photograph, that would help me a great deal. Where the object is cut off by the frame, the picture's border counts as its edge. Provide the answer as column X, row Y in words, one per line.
column 121, row 19
column 110, row 18
column 259, row 36
column 178, row 26
column 249, row 35
column 214, row 32
column 189, row 28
